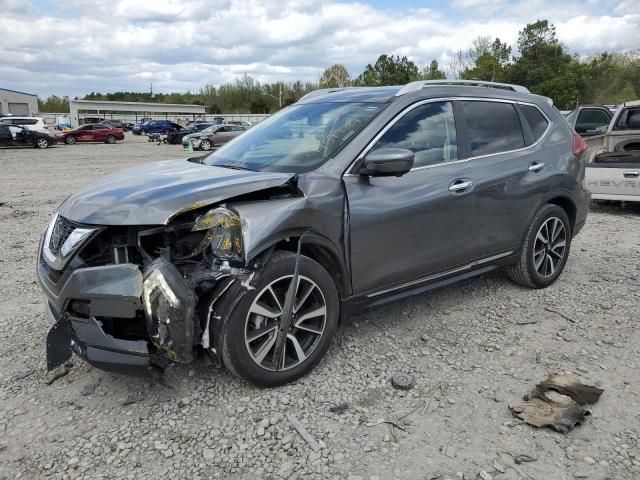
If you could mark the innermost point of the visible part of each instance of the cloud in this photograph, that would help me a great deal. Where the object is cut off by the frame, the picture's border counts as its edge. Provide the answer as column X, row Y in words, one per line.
column 82, row 46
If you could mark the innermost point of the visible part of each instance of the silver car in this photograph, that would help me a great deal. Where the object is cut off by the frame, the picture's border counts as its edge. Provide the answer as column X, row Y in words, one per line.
column 213, row 136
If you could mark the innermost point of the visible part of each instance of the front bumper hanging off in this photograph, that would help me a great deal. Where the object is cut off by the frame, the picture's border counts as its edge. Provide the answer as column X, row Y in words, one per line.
column 118, row 292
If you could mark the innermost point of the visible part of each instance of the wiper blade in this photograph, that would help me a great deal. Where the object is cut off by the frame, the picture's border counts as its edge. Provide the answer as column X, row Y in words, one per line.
column 234, row 167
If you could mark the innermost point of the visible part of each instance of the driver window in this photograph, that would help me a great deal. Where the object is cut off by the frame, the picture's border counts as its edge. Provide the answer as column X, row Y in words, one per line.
column 428, row 130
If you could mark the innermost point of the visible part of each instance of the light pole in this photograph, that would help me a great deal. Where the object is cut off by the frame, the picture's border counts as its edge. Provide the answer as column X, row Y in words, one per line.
column 279, row 97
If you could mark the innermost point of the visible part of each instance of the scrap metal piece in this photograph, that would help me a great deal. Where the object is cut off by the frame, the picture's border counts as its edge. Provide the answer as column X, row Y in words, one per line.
column 59, row 343
column 315, row 446
column 542, row 411
column 403, row 381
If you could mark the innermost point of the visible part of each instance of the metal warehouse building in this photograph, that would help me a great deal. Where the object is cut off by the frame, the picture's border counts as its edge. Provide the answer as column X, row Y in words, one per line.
column 18, row 103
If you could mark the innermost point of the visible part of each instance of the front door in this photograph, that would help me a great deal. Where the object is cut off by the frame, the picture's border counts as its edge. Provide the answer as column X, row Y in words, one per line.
column 404, row 228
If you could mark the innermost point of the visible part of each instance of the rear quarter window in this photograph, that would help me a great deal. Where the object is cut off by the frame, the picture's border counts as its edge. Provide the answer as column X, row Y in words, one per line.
column 492, row 127
column 537, row 122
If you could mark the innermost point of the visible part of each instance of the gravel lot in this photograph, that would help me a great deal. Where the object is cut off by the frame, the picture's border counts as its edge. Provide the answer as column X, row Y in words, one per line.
column 475, row 348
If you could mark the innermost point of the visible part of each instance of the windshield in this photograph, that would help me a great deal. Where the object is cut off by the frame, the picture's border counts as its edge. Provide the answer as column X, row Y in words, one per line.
column 571, row 115
column 297, row 139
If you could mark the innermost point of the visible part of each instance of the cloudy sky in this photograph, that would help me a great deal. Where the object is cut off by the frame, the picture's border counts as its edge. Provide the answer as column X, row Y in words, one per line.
column 73, row 47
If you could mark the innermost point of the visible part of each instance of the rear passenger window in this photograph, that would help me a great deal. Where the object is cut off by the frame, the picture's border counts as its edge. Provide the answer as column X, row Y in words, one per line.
column 592, row 121
column 428, row 130
column 492, row 127
column 537, row 122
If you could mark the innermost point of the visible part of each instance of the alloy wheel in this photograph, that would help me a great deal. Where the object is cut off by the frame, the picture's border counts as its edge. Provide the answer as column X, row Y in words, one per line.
column 264, row 319
column 205, row 145
column 42, row 143
column 550, row 247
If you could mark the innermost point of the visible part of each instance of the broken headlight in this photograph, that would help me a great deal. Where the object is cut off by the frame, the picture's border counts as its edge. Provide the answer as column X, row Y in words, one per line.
column 169, row 306
column 224, row 233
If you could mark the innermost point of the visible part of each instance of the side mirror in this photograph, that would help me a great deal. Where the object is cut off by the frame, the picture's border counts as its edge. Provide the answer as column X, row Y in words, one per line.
column 388, row 162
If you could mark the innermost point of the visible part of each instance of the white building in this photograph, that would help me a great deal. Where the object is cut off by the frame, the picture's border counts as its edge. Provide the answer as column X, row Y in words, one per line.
column 18, row 103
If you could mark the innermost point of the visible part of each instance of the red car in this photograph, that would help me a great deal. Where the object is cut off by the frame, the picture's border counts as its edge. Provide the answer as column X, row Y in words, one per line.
column 91, row 133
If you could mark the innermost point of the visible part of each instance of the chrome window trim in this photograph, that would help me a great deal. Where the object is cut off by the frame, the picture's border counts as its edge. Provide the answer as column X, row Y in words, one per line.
column 350, row 173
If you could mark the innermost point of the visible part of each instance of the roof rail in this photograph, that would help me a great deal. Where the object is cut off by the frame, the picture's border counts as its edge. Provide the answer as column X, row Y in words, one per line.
column 321, row 91
column 420, row 84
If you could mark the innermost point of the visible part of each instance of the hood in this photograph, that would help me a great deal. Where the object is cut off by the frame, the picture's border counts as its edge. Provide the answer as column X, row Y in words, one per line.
column 151, row 194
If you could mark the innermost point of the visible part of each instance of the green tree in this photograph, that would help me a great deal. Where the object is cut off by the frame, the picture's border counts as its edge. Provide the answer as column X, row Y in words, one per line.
column 544, row 66
column 54, row 104
column 335, row 76
column 432, row 72
column 388, row 70
column 488, row 59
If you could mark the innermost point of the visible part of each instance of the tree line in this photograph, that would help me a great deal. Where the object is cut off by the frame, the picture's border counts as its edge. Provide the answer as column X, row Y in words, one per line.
column 542, row 63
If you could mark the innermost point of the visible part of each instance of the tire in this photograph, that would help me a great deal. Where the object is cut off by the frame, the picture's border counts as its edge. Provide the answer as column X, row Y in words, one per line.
column 70, row 140
column 239, row 321
column 206, row 145
column 541, row 263
column 110, row 139
column 41, row 143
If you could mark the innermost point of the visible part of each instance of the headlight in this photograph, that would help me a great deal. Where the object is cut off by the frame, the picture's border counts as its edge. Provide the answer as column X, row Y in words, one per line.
column 169, row 307
column 224, row 233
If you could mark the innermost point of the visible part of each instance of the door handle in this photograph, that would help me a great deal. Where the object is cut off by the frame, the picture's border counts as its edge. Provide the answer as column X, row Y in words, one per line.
column 536, row 167
column 631, row 174
column 460, row 185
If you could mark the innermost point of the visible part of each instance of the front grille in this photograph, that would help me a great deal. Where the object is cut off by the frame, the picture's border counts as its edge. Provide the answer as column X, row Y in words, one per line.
column 61, row 231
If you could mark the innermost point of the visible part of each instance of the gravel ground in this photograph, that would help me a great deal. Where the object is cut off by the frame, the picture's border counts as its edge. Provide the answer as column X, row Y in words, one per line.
column 475, row 348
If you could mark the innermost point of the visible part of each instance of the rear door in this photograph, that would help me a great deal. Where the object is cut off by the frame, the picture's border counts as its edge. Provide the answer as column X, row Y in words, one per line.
column 508, row 168
column 99, row 132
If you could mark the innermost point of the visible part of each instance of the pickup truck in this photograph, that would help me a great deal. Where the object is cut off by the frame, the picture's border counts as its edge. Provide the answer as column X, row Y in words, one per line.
column 613, row 155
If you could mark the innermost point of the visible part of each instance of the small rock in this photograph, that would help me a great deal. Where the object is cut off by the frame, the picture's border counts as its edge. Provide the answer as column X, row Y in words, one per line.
column 589, row 460
column 208, row 454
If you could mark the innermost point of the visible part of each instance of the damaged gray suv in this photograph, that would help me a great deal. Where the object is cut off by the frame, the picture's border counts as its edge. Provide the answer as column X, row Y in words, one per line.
column 345, row 200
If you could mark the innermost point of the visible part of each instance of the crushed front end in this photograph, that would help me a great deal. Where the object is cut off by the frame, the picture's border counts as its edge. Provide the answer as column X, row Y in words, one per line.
column 124, row 298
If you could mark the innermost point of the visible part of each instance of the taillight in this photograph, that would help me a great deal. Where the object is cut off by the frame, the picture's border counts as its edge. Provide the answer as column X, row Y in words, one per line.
column 579, row 144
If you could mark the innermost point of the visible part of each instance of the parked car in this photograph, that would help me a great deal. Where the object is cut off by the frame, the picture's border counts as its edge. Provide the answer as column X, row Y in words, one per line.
column 213, row 136
column 91, row 133
column 589, row 120
column 37, row 124
column 175, row 138
column 90, row 120
column 613, row 168
column 256, row 251
column 18, row 136
column 242, row 123
column 155, row 126
column 116, row 124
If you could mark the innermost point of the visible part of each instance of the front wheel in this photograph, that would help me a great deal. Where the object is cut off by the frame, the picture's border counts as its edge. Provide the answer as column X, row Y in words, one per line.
column 110, row 139
column 70, row 140
column 253, row 328
column 42, row 143
column 545, row 250
column 206, row 145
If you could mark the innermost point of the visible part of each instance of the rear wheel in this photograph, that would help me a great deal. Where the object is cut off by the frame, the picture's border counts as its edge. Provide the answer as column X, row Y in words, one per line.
column 206, row 145
column 253, row 325
column 70, row 140
column 545, row 250
column 110, row 139
column 42, row 143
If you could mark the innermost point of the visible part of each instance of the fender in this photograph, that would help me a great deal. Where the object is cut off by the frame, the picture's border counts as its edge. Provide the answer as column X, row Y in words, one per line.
column 319, row 244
